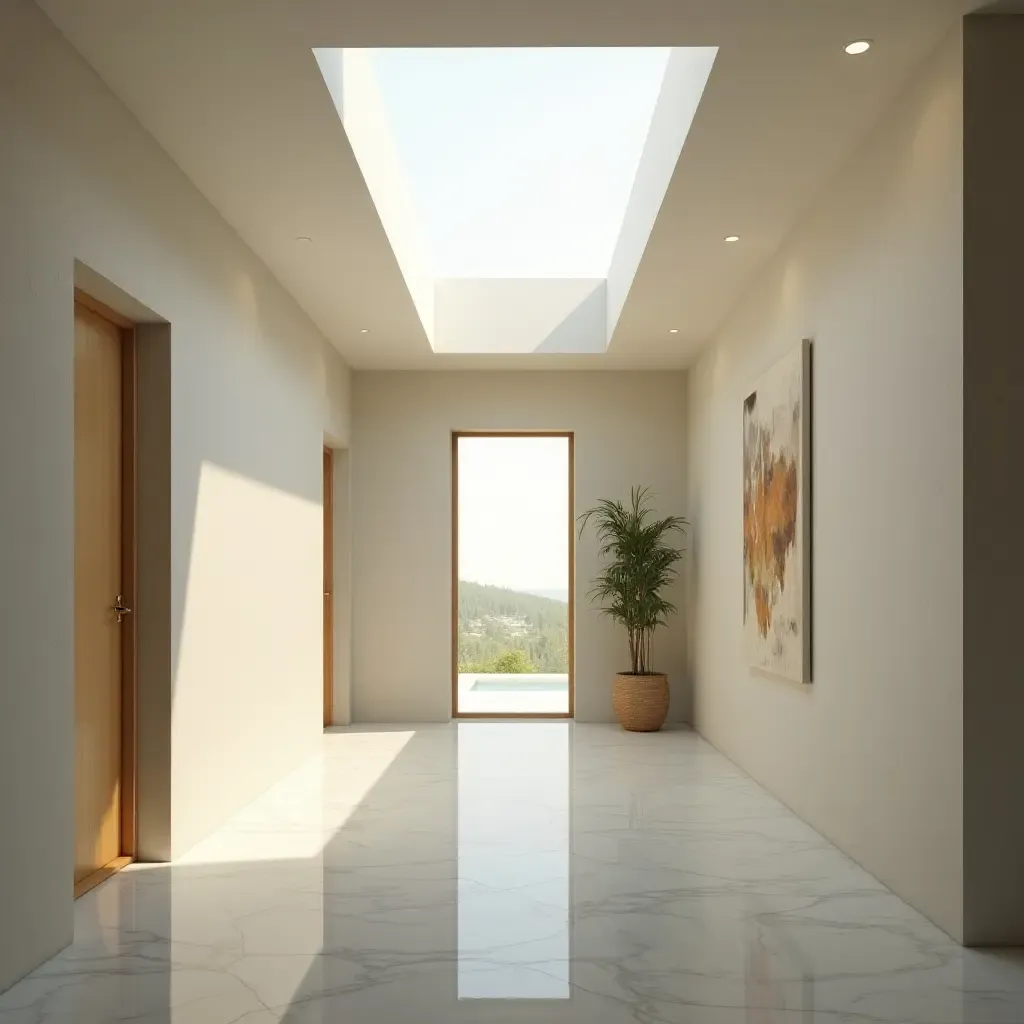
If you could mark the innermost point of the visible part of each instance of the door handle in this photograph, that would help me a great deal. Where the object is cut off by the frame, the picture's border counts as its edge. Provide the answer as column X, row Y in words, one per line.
column 120, row 608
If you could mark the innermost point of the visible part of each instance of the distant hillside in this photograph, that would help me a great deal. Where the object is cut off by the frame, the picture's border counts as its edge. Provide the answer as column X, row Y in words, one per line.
column 554, row 595
column 476, row 599
column 494, row 621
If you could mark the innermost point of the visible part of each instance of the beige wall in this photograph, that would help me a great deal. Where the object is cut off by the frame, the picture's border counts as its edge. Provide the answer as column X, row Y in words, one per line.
column 993, row 454
column 629, row 430
column 254, row 388
column 870, row 754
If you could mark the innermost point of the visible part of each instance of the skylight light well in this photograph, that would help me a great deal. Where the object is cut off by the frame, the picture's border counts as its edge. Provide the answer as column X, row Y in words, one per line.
column 518, row 187
column 521, row 161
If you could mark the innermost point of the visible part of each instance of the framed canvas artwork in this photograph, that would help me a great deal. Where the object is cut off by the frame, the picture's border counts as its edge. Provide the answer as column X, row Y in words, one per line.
column 776, row 519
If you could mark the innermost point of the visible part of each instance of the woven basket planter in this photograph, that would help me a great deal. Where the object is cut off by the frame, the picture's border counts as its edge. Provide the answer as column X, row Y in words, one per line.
column 640, row 702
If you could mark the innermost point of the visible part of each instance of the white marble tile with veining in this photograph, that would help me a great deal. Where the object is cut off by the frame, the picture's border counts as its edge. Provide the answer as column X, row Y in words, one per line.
column 512, row 873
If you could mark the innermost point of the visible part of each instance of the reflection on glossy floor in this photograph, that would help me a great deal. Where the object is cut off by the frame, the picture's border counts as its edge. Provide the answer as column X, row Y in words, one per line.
column 512, row 872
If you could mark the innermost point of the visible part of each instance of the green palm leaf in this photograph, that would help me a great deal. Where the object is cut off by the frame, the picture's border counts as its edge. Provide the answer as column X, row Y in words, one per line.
column 640, row 563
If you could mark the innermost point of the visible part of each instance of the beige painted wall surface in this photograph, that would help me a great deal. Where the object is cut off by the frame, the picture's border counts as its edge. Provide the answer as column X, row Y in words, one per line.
column 993, row 491
column 254, row 388
column 630, row 429
column 870, row 754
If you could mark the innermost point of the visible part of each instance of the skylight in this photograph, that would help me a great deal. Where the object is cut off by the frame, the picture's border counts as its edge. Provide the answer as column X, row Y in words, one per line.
column 517, row 187
column 520, row 161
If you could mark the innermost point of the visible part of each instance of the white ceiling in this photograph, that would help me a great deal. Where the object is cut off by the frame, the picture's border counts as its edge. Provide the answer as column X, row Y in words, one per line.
column 231, row 90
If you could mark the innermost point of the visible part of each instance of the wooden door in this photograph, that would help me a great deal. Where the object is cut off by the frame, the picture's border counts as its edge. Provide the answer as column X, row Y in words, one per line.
column 328, row 587
column 98, row 584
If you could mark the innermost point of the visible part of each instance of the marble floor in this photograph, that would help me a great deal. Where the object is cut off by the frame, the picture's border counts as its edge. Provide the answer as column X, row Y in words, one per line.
column 516, row 872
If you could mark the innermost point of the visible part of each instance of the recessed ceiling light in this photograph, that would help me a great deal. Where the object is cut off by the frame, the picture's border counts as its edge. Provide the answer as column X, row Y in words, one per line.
column 303, row 238
column 365, row 330
column 673, row 330
column 858, row 46
column 732, row 238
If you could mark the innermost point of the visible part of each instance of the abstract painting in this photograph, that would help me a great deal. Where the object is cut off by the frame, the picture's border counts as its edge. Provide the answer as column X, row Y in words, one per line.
column 776, row 519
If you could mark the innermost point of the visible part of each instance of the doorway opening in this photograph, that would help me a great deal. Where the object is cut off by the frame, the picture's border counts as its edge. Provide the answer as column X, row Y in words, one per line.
column 512, row 575
column 328, row 502
column 105, row 418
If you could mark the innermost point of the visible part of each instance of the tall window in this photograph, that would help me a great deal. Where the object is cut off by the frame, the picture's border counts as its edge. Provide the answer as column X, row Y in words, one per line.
column 513, row 575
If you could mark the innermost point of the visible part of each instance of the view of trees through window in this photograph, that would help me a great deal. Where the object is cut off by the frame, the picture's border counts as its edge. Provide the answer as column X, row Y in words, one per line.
column 508, row 631
column 513, row 565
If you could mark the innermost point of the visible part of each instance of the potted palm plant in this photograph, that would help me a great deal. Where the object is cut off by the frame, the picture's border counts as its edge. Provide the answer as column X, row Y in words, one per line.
column 640, row 564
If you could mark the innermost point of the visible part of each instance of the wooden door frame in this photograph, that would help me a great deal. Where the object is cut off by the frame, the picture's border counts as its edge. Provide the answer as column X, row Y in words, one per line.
column 570, row 436
column 129, row 588
column 328, row 503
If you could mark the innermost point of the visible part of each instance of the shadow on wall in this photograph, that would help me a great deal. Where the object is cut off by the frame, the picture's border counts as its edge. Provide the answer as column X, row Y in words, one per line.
column 521, row 315
column 584, row 329
column 230, row 530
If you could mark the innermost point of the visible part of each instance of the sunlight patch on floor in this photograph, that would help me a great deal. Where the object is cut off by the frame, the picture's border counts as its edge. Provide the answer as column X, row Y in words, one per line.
column 296, row 817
